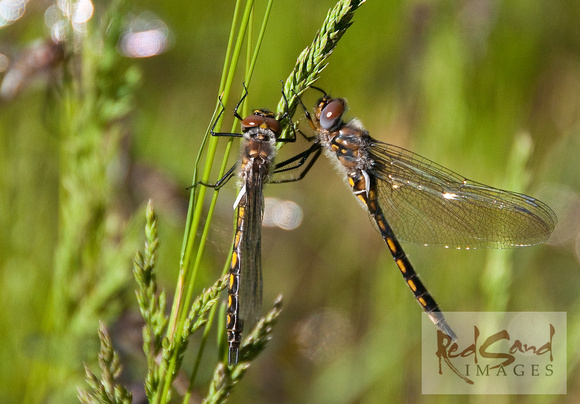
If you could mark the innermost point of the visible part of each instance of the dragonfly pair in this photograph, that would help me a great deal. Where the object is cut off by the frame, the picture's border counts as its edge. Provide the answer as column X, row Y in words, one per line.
column 408, row 197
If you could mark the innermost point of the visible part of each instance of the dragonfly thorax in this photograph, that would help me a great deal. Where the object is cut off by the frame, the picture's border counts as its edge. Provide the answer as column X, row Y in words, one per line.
column 259, row 149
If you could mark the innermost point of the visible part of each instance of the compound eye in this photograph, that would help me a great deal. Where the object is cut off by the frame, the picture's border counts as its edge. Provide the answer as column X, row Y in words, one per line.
column 332, row 113
column 273, row 125
column 252, row 121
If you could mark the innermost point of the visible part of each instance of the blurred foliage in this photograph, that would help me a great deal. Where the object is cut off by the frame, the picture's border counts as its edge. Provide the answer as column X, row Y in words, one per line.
column 460, row 82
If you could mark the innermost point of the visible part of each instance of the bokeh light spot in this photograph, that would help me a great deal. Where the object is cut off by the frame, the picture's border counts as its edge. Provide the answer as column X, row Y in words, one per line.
column 11, row 10
column 146, row 36
column 280, row 213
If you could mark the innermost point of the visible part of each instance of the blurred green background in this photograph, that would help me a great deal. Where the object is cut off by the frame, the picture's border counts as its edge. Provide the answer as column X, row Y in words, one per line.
column 489, row 89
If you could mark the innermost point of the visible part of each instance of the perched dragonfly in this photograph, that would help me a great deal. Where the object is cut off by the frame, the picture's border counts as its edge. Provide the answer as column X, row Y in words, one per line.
column 260, row 132
column 417, row 200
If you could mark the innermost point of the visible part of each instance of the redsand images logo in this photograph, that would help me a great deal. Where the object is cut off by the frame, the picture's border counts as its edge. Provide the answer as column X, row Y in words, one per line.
column 496, row 353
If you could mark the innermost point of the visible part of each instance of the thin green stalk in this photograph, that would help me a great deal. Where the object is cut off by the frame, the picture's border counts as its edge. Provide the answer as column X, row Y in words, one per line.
column 254, row 58
column 188, row 225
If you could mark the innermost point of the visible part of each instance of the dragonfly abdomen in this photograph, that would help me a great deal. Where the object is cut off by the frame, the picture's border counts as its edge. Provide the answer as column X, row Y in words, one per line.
column 235, row 324
column 365, row 188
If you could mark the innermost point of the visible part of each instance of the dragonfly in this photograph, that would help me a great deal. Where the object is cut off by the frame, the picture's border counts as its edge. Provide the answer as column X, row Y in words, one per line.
column 413, row 199
column 260, row 132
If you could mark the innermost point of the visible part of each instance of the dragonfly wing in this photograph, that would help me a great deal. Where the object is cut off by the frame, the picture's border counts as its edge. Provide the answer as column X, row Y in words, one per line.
column 429, row 204
column 251, row 277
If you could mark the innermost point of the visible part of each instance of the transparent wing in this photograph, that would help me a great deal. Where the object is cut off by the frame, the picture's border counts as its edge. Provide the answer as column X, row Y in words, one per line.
column 251, row 272
column 427, row 203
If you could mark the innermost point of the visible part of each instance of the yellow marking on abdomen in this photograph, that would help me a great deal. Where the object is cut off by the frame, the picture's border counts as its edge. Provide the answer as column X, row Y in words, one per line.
column 391, row 245
column 401, row 266
column 412, row 285
column 383, row 227
column 241, row 213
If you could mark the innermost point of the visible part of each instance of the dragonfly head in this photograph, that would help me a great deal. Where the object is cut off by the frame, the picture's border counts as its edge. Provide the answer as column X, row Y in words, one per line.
column 263, row 119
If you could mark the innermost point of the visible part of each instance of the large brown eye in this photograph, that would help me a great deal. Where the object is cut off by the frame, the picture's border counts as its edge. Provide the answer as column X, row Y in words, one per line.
column 273, row 125
column 252, row 121
column 332, row 113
